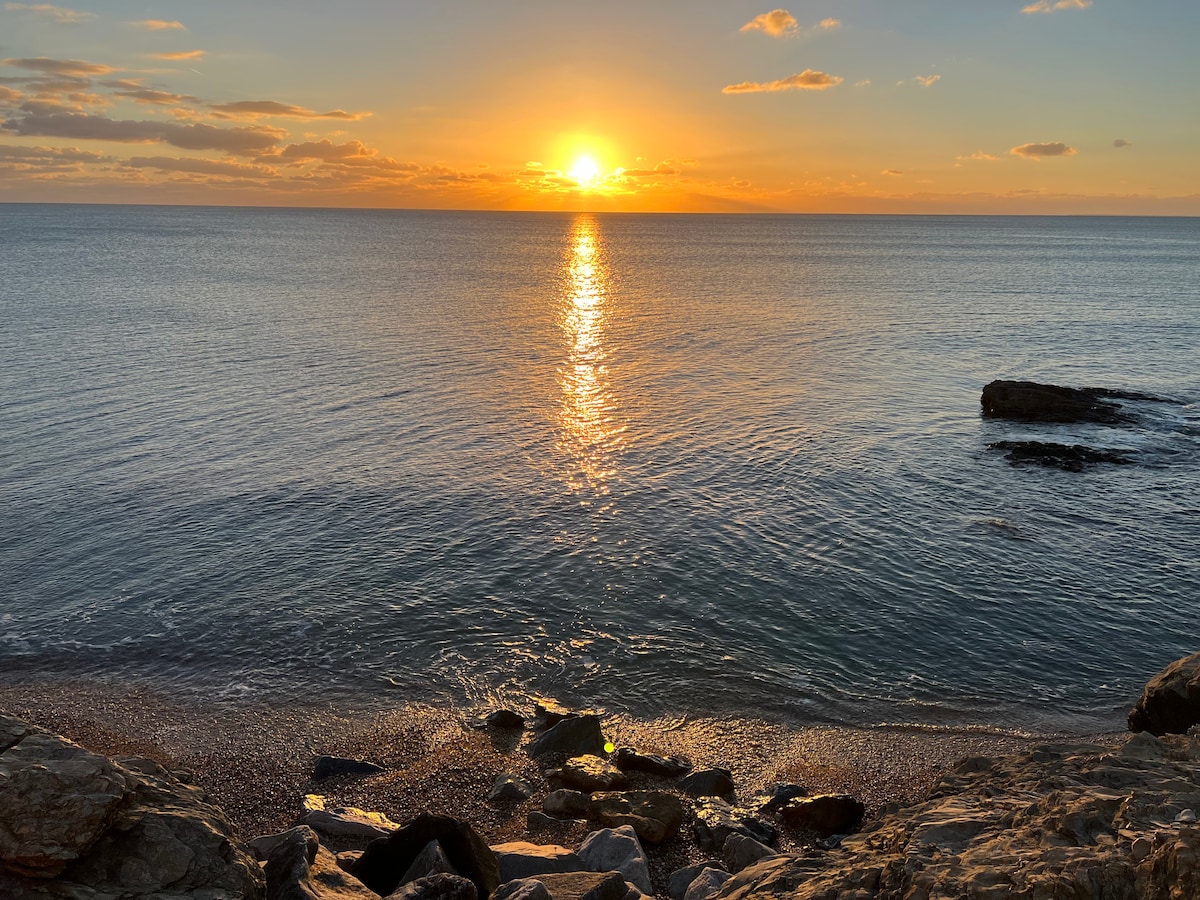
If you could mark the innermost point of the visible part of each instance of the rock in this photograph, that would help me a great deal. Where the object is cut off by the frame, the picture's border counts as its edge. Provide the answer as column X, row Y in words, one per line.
column 566, row 804
column 262, row 846
column 347, row 858
column 510, row 789
column 536, row 821
column 299, row 868
column 385, row 861
column 335, row 766
column 1068, row 457
column 708, row 783
column 654, row 815
column 1170, row 703
column 577, row 736
column 504, row 718
column 825, row 813
column 716, row 820
column 706, row 884
column 741, row 851
column 430, row 861
column 1055, row 822
column 591, row 773
column 566, row 886
column 779, row 796
column 629, row 760
column 549, row 713
column 76, row 824
column 436, row 887
column 344, row 821
column 1030, row 401
column 681, row 879
column 617, row 850
column 520, row 859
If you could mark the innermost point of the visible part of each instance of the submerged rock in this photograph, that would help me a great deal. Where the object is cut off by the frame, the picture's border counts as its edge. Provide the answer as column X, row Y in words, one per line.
column 1069, row 457
column 1170, row 703
column 1032, row 402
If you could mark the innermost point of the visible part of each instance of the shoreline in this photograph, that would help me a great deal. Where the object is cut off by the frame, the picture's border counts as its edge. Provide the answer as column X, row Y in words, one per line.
column 255, row 761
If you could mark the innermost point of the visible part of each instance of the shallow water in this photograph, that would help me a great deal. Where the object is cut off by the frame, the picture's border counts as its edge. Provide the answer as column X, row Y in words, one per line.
column 653, row 463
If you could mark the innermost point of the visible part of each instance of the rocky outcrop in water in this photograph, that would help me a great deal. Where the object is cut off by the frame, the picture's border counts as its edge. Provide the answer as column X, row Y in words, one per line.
column 1171, row 701
column 1068, row 457
column 1029, row 401
column 74, row 824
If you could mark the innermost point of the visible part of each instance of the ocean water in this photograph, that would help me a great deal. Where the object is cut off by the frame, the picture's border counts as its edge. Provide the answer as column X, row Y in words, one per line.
column 653, row 464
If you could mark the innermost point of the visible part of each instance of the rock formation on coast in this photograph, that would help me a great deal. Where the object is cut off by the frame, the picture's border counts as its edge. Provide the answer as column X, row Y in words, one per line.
column 1053, row 822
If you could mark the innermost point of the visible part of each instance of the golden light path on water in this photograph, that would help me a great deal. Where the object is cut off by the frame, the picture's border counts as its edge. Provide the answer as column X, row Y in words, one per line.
column 590, row 428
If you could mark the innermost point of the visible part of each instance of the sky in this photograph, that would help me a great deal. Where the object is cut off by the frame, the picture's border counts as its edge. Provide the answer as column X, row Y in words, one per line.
column 838, row 106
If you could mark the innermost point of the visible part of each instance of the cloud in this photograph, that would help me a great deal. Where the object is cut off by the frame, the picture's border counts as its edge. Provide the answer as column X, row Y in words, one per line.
column 253, row 109
column 1121, row 142
column 70, row 67
column 179, row 55
column 1049, row 6
column 54, row 154
column 1037, row 151
column 927, row 80
column 155, row 98
column 830, row 24
column 201, row 166
column 8, row 95
column 777, row 23
column 808, row 80
column 248, row 141
column 891, row 172
column 57, row 13
column 864, row 83
column 159, row 25
column 979, row 156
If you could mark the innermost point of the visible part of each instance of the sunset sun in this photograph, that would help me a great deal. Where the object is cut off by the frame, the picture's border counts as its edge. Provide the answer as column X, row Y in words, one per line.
column 585, row 171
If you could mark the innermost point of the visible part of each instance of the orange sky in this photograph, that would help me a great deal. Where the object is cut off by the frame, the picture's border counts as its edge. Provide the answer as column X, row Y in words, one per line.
column 855, row 106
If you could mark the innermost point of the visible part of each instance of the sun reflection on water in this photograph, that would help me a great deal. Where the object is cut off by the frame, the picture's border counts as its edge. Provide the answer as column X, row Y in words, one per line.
column 590, row 427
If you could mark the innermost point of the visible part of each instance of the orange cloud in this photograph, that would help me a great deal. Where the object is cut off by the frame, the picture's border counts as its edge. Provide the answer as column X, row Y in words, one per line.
column 75, row 68
column 180, row 55
column 1049, row 6
column 249, row 141
column 200, row 166
column 57, row 13
column 159, row 25
column 927, row 80
column 1037, row 151
column 808, row 80
column 891, row 172
column 253, row 109
column 777, row 23
column 980, row 156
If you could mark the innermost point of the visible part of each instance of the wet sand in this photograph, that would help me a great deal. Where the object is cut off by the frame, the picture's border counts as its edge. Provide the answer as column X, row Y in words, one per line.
column 256, row 762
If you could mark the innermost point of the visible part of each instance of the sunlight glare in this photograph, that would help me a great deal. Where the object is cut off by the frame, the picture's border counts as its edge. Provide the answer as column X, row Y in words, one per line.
column 585, row 171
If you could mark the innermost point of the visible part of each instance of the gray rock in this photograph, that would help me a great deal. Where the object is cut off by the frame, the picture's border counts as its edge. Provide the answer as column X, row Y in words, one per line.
column 716, row 820
column 707, row 884
column 566, row 804
column 335, row 766
column 825, row 813
column 504, row 718
column 617, row 850
column 521, row 859
column 1170, row 703
column 536, row 821
column 262, row 846
column 549, row 713
column 510, row 789
column 386, row 860
column 345, row 821
column 430, row 861
column 522, row 889
column 436, row 887
column 680, row 879
column 84, row 825
column 629, row 760
column 572, row 737
column 741, row 851
column 568, row 886
column 779, row 795
column 654, row 815
column 591, row 773
column 708, row 783
column 299, row 868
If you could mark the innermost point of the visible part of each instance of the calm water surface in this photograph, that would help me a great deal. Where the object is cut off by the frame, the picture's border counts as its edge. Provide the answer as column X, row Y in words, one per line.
column 659, row 464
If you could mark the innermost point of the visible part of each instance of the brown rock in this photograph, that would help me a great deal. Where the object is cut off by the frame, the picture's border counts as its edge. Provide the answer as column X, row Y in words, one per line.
column 1170, row 703
column 299, row 868
column 385, row 861
column 568, row 886
column 825, row 813
column 654, row 815
column 591, row 773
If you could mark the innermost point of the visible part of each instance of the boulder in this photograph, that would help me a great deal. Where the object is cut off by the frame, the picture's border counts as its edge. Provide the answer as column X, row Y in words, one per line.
column 565, row 804
column 549, row 713
column 504, row 718
column 335, row 766
column 578, row 736
column 566, row 886
column 536, row 821
column 617, row 850
column 654, row 815
column 1170, row 703
column 344, row 821
column 430, row 861
column 681, row 879
column 77, row 824
column 715, row 820
column 629, row 760
column 1033, row 402
column 385, row 860
column 521, row 859
column 778, row 796
column 436, row 887
column 708, row 783
column 510, row 789
column 825, row 814
column 707, row 884
column 299, row 868
column 590, row 773
column 741, row 851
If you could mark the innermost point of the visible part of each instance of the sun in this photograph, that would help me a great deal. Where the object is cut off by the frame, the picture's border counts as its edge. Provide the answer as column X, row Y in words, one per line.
column 585, row 171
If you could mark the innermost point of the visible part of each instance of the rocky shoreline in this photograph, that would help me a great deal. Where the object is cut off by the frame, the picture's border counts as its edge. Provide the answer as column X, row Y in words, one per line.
column 554, row 806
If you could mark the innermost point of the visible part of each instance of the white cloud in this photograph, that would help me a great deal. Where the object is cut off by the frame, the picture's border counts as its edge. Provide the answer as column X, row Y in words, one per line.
column 1050, row 6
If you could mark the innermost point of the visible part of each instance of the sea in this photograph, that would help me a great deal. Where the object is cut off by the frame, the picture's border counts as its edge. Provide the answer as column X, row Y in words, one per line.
column 659, row 465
